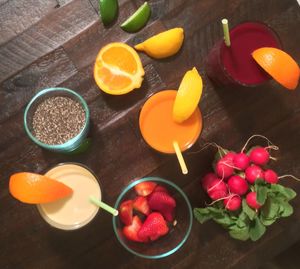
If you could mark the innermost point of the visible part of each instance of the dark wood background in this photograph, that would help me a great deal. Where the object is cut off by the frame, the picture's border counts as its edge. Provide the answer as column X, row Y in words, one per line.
column 54, row 43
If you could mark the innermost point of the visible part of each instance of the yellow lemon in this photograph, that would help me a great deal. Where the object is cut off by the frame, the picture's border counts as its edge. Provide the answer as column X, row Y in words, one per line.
column 188, row 96
column 162, row 45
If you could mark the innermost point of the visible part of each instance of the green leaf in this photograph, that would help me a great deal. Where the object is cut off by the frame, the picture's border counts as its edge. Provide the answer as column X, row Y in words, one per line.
column 202, row 214
column 239, row 233
column 256, row 230
column 287, row 209
column 243, row 220
column 249, row 211
column 270, row 210
column 225, row 220
column 288, row 193
column 267, row 222
column 262, row 194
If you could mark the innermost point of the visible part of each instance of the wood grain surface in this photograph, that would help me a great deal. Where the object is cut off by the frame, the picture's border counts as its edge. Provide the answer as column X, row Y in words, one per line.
column 54, row 43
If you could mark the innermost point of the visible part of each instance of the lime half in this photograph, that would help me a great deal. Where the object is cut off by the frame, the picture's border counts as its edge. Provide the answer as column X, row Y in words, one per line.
column 138, row 19
column 108, row 10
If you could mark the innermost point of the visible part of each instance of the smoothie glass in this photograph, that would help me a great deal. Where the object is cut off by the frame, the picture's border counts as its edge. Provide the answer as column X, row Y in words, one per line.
column 76, row 211
column 234, row 65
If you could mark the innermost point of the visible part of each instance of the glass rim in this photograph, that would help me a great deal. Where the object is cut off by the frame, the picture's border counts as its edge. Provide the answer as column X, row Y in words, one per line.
column 70, row 141
column 227, row 73
column 77, row 226
column 156, row 179
column 192, row 142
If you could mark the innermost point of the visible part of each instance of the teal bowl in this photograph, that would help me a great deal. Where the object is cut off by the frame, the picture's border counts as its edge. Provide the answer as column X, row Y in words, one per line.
column 72, row 144
column 177, row 235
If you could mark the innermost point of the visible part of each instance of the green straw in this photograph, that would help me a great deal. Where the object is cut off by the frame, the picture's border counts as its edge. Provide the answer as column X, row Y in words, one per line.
column 226, row 32
column 104, row 206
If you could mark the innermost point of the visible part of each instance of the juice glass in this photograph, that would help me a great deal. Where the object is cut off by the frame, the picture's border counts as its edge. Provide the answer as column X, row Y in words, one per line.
column 159, row 129
column 234, row 65
column 73, row 212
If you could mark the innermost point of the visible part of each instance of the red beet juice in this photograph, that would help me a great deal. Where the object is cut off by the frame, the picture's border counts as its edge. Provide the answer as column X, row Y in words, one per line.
column 234, row 65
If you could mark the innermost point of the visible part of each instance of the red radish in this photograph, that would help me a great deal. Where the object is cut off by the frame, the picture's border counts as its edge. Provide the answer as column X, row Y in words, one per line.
column 224, row 168
column 144, row 188
column 259, row 156
column 229, row 156
column 207, row 180
column 125, row 212
column 153, row 227
column 254, row 172
column 252, row 201
column 141, row 204
column 241, row 161
column 217, row 189
column 271, row 176
column 232, row 203
column 131, row 231
column 237, row 185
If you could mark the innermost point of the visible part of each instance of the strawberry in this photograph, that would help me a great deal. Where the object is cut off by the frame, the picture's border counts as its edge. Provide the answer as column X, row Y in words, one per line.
column 164, row 203
column 160, row 188
column 153, row 227
column 131, row 231
column 125, row 212
column 144, row 188
column 141, row 204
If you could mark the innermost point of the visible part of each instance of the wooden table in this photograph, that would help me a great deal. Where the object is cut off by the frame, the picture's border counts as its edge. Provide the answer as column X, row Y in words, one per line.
column 54, row 43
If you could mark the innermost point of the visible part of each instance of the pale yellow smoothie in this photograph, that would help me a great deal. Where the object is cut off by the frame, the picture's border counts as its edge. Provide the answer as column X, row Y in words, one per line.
column 75, row 211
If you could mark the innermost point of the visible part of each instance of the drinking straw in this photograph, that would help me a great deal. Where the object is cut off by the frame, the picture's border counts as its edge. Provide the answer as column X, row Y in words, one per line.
column 226, row 32
column 104, row 206
column 180, row 158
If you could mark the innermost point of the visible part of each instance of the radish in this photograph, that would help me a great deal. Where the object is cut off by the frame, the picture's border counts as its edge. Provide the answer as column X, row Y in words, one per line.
column 259, row 156
column 252, row 201
column 207, row 180
column 217, row 189
column 241, row 161
column 271, row 177
column 237, row 185
column 254, row 172
column 232, row 203
column 224, row 168
column 229, row 156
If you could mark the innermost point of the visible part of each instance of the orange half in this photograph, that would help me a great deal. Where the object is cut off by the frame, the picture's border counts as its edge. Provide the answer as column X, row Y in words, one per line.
column 37, row 189
column 118, row 69
column 279, row 65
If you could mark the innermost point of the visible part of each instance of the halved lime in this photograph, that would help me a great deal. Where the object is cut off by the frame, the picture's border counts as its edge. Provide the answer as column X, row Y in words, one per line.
column 138, row 19
column 108, row 10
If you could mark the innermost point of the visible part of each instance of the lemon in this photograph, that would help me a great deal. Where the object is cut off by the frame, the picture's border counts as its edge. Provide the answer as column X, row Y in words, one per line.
column 188, row 96
column 164, row 44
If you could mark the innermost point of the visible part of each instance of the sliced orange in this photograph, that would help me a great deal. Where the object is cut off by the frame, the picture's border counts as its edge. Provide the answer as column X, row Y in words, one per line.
column 118, row 69
column 37, row 189
column 279, row 65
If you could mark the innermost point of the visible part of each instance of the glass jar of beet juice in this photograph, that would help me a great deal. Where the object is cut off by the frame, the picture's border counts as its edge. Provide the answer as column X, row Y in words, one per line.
column 57, row 119
column 234, row 65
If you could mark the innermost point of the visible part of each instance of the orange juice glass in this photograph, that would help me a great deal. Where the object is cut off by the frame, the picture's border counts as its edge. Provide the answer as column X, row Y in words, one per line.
column 160, row 130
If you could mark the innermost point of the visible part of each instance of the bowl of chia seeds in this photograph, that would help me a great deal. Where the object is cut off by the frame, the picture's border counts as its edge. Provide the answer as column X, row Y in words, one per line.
column 57, row 119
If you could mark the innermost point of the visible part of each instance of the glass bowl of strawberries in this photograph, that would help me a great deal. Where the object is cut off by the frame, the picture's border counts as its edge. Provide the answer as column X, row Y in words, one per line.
column 155, row 218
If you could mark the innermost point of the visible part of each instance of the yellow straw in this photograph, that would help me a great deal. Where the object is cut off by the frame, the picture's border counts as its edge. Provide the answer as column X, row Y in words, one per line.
column 180, row 158
column 226, row 32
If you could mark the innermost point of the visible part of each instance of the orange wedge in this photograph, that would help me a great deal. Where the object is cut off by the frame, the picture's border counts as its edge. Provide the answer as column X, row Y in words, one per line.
column 279, row 65
column 33, row 188
column 118, row 69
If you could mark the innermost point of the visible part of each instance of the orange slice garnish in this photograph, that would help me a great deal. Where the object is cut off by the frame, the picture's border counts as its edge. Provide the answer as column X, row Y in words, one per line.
column 118, row 69
column 37, row 189
column 279, row 65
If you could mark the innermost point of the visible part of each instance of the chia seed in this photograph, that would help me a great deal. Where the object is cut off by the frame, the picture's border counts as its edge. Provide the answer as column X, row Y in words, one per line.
column 57, row 119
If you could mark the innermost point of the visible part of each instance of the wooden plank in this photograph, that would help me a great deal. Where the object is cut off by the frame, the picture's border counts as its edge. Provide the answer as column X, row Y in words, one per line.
column 18, row 15
column 45, row 36
column 48, row 71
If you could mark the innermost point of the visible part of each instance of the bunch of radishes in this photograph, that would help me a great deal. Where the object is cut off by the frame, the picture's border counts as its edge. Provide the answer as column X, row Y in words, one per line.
column 234, row 175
